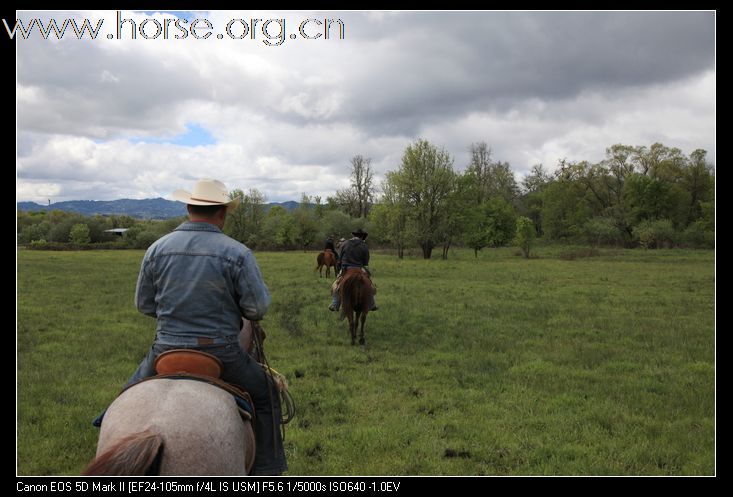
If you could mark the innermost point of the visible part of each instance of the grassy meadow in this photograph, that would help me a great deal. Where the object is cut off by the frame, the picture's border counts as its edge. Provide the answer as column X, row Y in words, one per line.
column 492, row 366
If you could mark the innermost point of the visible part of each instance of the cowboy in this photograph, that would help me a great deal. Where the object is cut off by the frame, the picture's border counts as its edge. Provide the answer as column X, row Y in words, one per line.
column 339, row 250
column 199, row 283
column 354, row 254
column 330, row 246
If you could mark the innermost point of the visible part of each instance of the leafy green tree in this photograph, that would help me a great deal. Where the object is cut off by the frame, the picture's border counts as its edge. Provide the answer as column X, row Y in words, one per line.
column 698, row 180
column 390, row 215
column 79, row 234
column 424, row 180
column 491, row 224
column 306, row 224
column 34, row 232
column 245, row 222
column 278, row 229
column 531, row 201
column 565, row 209
column 336, row 222
column 145, row 239
column 648, row 198
column 525, row 236
column 319, row 209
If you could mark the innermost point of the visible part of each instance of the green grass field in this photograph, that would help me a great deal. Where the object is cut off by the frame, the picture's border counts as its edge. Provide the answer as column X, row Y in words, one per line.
column 496, row 366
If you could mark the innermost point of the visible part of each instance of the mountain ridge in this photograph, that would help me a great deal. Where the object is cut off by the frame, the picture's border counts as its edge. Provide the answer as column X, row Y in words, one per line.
column 148, row 208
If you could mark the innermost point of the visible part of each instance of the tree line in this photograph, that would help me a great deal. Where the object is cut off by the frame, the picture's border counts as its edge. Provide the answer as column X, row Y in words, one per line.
column 637, row 196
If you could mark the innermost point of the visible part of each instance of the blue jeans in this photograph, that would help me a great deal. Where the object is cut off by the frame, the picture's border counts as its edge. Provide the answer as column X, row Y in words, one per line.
column 242, row 370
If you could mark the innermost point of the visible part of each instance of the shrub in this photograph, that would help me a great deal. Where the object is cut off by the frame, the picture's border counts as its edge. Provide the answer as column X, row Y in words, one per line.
column 601, row 230
column 655, row 234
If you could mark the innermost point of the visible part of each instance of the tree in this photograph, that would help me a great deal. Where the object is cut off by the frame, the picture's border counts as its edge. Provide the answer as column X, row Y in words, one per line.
column 601, row 230
column 458, row 204
column 357, row 199
column 564, row 209
column 493, row 178
column 245, row 222
column 34, row 232
column 390, row 215
column 278, row 230
column 319, row 209
column 336, row 223
column 652, row 198
column 699, row 182
column 533, row 187
column 306, row 225
column 491, row 224
column 525, row 235
column 79, row 234
column 424, row 181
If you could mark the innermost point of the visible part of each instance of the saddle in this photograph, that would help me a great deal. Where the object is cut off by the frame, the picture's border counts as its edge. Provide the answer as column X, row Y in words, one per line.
column 189, row 361
column 351, row 272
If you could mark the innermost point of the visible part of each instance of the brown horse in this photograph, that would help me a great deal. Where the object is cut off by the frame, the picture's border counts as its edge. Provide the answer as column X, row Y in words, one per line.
column 355, row 293
column 326, row 258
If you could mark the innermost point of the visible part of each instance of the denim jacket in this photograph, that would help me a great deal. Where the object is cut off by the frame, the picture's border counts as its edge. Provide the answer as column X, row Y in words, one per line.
column 198, row 282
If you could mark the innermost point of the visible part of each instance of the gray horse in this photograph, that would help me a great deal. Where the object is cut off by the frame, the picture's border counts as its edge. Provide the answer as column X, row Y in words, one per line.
column 175, row 427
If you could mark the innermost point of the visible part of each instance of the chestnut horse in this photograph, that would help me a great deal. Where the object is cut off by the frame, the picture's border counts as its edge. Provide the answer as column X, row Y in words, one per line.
column 177, row 427
column 326, row 258
column 355, row 294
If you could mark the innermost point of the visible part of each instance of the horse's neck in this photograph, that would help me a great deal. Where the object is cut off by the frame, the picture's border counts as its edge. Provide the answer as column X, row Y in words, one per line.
column 250, row 340
column 246, row 336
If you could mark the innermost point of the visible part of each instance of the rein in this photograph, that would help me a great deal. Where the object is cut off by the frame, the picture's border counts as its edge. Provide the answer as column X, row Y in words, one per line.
column 287, row 414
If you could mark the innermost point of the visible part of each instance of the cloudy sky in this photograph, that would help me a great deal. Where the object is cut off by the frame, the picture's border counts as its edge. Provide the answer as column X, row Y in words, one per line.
column 283, row 110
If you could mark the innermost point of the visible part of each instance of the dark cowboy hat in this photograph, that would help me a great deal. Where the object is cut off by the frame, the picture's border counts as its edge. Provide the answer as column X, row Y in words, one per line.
column 360, row 233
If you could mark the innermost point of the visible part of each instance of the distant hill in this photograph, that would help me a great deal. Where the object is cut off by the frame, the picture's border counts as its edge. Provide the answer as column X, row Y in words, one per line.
column 149, row 208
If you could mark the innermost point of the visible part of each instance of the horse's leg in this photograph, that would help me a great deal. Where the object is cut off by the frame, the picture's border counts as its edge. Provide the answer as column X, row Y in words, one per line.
column 361, row 333
column 352, row 327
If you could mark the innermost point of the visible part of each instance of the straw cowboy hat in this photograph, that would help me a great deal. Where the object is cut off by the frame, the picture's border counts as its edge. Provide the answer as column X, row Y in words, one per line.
column 208, row 192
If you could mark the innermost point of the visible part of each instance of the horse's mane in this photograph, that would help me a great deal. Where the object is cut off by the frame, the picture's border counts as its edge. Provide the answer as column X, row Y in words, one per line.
column 138, row 454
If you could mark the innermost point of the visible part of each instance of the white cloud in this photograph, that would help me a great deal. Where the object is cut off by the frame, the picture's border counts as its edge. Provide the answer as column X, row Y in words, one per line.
column 287, row 119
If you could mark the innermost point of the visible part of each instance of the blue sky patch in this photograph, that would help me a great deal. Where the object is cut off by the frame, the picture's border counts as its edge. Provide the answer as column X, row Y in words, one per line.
column 195, row 136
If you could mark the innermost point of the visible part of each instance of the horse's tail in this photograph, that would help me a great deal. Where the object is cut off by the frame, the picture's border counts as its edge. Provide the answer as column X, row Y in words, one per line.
column 355, row 293
column 319, row 261
column 138, row 454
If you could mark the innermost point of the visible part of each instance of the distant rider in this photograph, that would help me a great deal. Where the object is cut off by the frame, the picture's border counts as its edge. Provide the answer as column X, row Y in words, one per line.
column 354, row 254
